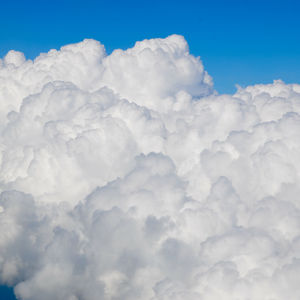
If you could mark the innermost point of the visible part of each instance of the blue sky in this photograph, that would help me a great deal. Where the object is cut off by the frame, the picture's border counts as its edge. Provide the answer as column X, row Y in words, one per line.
column 241, row 42
column 6, row 293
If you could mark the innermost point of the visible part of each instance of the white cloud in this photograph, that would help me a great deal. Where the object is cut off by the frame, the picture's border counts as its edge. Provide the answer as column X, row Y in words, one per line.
column 126, row 176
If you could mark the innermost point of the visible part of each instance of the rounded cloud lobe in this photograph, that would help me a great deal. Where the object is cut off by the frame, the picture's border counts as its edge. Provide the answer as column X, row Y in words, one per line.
column 126, row 176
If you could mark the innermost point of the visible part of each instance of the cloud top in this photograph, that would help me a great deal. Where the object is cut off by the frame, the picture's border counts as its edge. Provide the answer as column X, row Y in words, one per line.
column 126, row 176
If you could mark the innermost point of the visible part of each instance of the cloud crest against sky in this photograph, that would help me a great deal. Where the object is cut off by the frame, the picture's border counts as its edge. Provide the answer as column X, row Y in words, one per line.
column 126, row 176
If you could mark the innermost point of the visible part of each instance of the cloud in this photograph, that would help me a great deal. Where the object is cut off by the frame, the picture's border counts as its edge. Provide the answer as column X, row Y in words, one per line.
column 126, row 176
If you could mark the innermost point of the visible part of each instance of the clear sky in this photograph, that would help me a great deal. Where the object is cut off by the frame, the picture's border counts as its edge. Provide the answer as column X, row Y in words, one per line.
column 241, row 42
column 6, row 293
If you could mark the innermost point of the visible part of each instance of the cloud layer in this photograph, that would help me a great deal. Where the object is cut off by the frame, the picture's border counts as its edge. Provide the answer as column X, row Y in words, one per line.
column 126, row 176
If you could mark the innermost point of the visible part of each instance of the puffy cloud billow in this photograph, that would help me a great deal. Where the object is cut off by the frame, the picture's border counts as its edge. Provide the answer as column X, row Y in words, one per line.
column 127, row 176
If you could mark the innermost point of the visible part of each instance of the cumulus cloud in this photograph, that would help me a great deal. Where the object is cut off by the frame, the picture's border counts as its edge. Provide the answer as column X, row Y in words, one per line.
column 126, row 176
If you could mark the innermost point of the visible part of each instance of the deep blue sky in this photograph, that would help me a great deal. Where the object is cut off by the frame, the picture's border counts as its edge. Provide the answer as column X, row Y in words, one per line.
column 239, row 41
column 6, row 293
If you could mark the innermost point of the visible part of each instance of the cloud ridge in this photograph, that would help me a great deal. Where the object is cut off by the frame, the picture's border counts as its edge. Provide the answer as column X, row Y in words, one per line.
column 127, row 176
